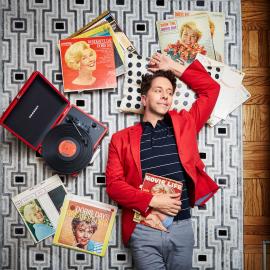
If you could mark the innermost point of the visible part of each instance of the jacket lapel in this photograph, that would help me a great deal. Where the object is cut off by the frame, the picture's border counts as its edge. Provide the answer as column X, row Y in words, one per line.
column 177, row 130
column 135, row 134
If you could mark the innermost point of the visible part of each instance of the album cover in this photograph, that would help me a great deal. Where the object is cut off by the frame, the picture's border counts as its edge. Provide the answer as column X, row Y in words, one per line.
column 40, row 206
column 217, row 29
column 155, row 184
column 85, row 225
column 107, row 16
column 184, row 37
column 232, row 92
column 88, row 63
column 105, row 29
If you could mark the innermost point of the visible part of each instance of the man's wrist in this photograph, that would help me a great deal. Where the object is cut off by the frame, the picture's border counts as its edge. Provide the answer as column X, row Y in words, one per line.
column 178, row 68
column 152, row 202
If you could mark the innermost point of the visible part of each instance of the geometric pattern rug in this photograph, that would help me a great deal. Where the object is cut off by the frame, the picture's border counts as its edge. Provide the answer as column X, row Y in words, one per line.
column 30, row 30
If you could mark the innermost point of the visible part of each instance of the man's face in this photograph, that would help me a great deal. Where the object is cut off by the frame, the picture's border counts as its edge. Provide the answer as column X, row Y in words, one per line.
column 83, row 233
column 189, row 37
column 158, row 99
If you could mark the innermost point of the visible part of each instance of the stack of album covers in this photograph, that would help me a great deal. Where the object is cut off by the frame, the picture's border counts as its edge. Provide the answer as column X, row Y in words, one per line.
column 107, row 16
column 77, row 222
column 232, row 92
column 101, row 63
column 199, row 35
column 105, row 25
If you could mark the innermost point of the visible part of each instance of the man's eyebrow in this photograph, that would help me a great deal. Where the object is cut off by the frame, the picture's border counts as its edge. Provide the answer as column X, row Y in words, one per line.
column 169, row 88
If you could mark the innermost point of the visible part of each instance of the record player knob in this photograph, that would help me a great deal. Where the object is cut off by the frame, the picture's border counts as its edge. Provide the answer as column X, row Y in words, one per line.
column 94, row 125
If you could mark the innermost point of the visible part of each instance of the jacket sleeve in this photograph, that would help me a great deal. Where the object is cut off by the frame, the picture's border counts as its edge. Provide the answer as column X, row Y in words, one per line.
column 197, row 78
column 117, row 185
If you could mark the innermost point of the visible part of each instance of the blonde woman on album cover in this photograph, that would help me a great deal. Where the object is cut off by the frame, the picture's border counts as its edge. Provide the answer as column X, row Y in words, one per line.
column 190, row 34
column 38, row 221
column 83, row 229
column 187, row 46
column 79, row 56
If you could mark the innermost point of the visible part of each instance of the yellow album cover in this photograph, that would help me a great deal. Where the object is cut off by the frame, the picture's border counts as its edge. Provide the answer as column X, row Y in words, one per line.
column 85, row 225
column 107, row 16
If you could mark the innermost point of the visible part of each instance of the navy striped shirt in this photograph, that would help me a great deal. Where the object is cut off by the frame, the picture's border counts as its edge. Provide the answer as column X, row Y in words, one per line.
column 159, row 156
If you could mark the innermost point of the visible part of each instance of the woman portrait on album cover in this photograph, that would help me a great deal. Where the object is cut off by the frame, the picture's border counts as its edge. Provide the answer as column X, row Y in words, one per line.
column 37, row 220
column 83, row 228
column 79, row 56
column 187, row 46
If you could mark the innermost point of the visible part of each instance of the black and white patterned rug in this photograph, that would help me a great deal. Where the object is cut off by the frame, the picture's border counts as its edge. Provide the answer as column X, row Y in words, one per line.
column 30, row 30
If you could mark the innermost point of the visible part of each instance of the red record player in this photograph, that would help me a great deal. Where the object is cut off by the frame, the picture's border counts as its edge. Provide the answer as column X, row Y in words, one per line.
column 44, row 119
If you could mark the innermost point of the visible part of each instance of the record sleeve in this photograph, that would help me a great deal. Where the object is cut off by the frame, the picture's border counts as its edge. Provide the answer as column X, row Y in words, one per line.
column 155, row 184
column 182, row 38
column 85, row 225
column 39, row 207
column 88, row 63
column 217, row 29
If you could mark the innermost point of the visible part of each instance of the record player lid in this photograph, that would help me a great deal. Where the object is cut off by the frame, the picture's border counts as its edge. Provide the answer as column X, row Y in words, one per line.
column 34, row 111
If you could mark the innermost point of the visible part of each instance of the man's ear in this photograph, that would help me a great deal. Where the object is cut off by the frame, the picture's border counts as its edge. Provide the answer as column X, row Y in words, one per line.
column 143, row 100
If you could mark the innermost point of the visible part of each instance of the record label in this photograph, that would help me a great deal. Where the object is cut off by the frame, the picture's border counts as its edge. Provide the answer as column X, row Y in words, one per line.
column 67, row 148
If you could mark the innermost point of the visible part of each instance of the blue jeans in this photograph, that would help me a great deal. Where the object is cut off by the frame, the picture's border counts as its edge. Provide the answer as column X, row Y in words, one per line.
column 157, row 250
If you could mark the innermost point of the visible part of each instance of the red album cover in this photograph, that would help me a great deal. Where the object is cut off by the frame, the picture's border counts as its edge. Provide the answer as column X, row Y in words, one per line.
column 88, row 63
column 155, row 184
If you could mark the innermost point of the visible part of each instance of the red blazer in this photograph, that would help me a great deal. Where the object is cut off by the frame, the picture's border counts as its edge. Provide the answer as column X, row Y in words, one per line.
column 124, row 173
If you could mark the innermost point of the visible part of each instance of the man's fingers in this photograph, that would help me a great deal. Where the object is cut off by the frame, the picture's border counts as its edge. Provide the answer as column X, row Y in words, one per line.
column 156, row 56
column 153, row 69
column 154, row 61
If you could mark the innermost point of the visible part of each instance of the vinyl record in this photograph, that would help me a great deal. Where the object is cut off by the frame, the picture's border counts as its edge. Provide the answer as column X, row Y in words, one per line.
column 67, row 148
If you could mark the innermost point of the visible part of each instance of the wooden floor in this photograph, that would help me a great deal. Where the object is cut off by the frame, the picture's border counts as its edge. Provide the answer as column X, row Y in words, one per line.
column 256, row 134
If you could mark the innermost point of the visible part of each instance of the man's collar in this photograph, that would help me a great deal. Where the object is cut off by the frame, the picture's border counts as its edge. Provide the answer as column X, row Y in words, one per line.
column 165, row 122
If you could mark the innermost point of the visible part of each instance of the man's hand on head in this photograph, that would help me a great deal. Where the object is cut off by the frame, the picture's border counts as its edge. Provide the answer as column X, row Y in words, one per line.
column 161, row 61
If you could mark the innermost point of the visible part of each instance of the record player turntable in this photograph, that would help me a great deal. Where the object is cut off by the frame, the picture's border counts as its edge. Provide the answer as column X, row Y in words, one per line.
column 44, row 119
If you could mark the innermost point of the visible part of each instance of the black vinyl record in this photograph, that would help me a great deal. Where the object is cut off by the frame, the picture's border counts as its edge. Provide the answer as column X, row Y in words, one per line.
column 67, row 148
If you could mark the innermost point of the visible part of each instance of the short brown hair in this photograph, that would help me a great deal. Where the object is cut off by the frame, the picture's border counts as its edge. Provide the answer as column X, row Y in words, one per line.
column 148, row 78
